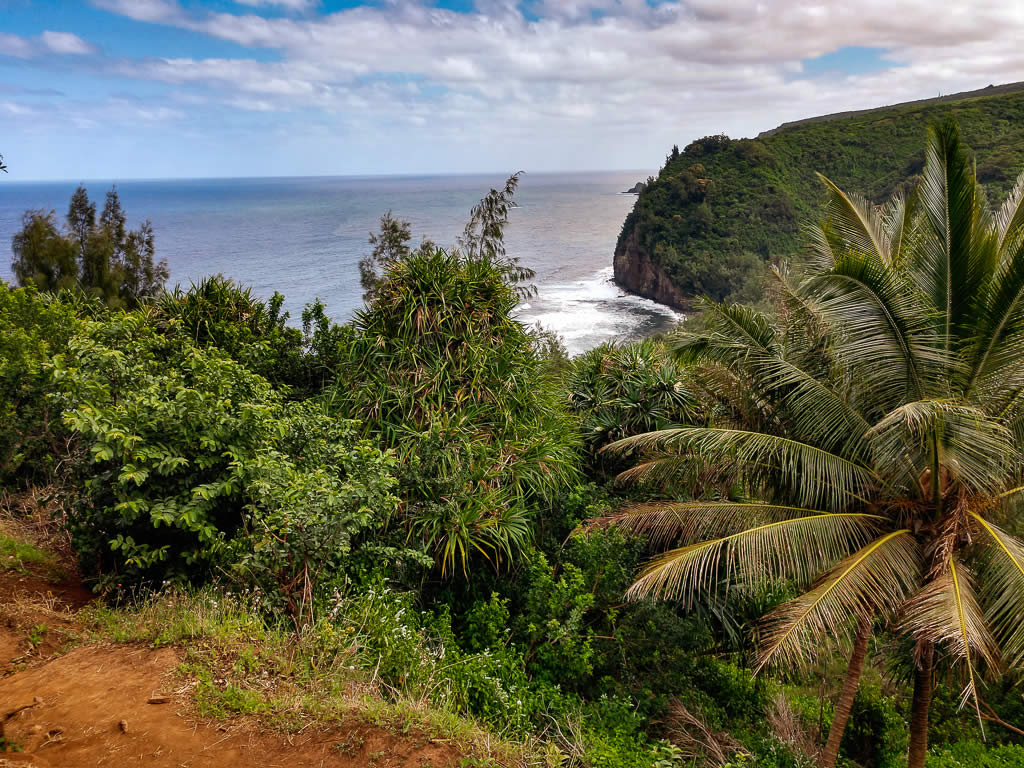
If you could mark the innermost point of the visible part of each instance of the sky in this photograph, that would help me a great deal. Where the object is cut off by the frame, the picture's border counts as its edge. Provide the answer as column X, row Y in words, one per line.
column 202, row 88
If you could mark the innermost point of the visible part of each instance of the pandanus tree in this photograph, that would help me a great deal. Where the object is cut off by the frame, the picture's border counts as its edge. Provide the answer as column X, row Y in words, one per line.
column 441, row 371
column 880, row 444
column 618, row 390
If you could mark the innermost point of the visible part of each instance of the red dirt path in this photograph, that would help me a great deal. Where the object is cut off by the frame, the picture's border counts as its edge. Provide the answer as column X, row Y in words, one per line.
column 90, row 706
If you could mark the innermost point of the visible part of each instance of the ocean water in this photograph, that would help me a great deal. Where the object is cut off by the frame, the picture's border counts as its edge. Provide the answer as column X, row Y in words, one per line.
column 304, row 236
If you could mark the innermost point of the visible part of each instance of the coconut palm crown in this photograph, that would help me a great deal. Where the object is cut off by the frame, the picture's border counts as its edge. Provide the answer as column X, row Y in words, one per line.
column 888, row 441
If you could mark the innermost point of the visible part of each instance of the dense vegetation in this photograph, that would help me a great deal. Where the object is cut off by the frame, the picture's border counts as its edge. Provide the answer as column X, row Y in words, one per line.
column 434, row 498
column 722, row 207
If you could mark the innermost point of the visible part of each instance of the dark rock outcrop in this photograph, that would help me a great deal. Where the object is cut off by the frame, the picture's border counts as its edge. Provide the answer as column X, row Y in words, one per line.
column 635, row 272
column 636, row 189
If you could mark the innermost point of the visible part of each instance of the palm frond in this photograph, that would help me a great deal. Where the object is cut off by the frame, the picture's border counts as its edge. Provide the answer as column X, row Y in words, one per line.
column 959, row 253
column 663, row 472
column 898, row 225
column 732, row 329
column 739, row 405
column 816, row 413
column 666, row 522
column 876, row 578
column 818, row 477
column 1010, row 218
column 999, row 331
column 853, row 219
column 974, row 449
column 796, row 548
column 745, row 339
column 823, row 246
column 947, row 613
column 885, row 329
column 1002, row 589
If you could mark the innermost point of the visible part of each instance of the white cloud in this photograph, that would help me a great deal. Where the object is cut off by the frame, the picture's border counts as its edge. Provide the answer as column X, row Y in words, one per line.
column 619, row 75
column 61, row 43
column 17, row 110
column 66, row 43
column 19, row 47
column 288, row 5
column 162, row 11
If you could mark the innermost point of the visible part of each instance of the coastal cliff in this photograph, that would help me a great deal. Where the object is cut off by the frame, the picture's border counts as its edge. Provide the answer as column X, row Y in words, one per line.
column 634, row 271
column 722, row 208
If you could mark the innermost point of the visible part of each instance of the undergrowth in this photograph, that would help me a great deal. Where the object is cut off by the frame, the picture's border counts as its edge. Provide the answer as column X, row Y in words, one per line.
column 241, row 664
column 23, row 558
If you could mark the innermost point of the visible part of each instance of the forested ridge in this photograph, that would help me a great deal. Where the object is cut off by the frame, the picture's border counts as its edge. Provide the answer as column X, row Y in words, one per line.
column 782, row 536
column 722, row 207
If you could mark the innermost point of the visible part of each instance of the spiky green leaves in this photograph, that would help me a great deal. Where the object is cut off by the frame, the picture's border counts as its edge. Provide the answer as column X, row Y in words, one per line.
column 442, row 372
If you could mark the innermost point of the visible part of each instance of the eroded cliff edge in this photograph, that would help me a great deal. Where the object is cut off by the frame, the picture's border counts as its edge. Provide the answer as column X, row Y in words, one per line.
column 634, row 271
column 722, row 208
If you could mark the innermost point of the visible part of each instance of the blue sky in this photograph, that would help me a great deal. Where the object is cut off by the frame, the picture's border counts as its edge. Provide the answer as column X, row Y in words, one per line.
column 168, row 88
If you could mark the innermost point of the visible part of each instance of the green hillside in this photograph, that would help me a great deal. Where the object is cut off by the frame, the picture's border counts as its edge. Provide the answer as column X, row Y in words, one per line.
column 722, row 206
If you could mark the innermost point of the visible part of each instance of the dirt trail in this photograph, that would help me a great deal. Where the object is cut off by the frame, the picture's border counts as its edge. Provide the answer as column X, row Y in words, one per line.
column 96, row 705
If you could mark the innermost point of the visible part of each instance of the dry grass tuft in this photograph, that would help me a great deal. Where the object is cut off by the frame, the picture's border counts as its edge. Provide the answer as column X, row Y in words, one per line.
column 700, row 744
column 787, row 728
column 38, row 516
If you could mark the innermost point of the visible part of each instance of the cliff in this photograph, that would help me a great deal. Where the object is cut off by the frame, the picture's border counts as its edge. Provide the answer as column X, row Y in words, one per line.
column 721, row 208
column 636, row 273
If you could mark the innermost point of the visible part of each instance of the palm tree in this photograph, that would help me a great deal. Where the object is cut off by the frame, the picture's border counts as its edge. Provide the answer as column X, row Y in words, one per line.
column 886, row 441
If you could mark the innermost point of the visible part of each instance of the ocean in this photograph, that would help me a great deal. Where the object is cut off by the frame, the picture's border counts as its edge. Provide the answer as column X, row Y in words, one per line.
column 304, row 237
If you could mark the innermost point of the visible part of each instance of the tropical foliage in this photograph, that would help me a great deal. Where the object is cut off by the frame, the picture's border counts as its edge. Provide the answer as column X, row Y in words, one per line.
column 449, row 379
column 33, row 328
column 619, row 390
column 889, row 440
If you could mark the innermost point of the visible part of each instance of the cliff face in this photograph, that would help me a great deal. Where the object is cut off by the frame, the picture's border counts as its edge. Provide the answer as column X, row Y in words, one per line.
column 721, row 208
column 635, row 272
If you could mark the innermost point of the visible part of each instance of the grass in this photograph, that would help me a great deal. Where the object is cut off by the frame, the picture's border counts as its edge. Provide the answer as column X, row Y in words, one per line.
column 22, row 557
column 242, row 666
column 33, row 536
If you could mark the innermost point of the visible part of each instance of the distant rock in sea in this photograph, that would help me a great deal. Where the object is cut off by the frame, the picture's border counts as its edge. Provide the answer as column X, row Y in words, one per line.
column 636, row 189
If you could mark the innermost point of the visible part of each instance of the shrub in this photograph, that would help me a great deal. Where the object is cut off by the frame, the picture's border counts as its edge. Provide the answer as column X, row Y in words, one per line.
column 32, row 330
column 441, row 371
column 974, row 754
column 551, row 622
column 217, row 311
column 876, row 734
column 186, row 450
column 620, row 390
column 305, row 513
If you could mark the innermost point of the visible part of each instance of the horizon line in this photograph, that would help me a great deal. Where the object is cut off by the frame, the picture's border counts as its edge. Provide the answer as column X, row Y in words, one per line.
column 425, row 175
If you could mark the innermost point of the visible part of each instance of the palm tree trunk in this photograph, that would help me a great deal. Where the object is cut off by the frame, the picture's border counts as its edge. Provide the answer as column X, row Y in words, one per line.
column 828, row 757
column 919, row 710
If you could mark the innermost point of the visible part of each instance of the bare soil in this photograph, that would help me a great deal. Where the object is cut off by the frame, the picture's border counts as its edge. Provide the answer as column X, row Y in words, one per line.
column 64, row 704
